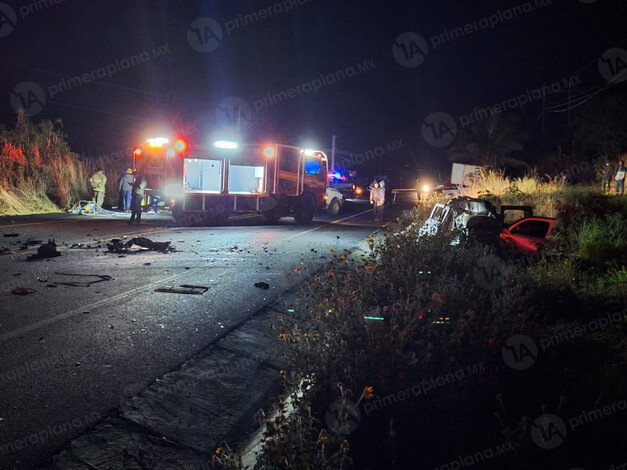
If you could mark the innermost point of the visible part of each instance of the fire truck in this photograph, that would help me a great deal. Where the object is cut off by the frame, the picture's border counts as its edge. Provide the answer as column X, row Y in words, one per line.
column 202, row 185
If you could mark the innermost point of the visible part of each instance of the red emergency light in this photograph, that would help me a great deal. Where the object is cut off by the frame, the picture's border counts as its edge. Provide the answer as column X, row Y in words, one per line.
column 268, row 151
column 180, row 145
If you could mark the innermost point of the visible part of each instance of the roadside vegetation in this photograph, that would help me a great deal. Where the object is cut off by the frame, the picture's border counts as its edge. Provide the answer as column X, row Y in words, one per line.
column 39, row 173
column 407, row 357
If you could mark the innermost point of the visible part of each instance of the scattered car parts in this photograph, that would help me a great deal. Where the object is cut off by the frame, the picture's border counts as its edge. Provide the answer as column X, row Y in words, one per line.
column 183, row 289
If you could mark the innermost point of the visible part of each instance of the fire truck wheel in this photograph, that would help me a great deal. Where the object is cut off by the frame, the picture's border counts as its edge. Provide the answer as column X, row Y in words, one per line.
column 304, row 212
column 334, row 208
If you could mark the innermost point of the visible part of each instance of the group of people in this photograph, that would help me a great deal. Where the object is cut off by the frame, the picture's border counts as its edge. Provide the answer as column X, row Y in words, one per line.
column 618, row 177
column 131, row 187
column 377, row 199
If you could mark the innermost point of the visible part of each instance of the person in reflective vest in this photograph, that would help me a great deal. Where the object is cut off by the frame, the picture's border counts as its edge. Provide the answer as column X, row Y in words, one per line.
column 98, row 182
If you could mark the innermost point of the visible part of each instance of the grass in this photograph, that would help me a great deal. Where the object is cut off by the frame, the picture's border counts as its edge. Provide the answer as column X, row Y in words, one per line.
column 414, row 308
column 25, row 202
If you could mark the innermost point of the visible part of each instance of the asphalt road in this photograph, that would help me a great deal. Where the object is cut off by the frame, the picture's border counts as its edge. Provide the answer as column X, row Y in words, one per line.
column 69, row 353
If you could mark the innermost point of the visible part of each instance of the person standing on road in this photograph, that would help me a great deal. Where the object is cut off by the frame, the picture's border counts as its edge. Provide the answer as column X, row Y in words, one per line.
column 98, row 182
column 382, row 197
column 377, row 199
column 374, row 187
column 126, row 188
column 608, row 173
column 139, row 190
column 620, row 178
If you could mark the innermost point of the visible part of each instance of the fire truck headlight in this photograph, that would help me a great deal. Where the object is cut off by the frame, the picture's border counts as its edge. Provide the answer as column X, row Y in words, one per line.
column 426, row 188
column 157, row 142
column 225, row 144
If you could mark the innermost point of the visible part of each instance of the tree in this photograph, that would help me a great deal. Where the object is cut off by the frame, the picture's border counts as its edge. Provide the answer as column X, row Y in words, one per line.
column 599, row 127
column 495, row 141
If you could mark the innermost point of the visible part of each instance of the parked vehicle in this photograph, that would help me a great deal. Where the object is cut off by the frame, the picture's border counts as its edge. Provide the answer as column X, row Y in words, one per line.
column 471, row 219
column 462, row 176
column 360, row 188
column 447, row 190
column 334, row 200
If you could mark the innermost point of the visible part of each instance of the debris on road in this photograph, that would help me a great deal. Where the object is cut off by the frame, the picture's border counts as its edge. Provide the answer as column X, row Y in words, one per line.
column 100, row 278
column 10, row 235
column 85, row 246
column 183, row 289
column 262, row 285
column 7, row 251
column 47, row 250
column 118, row 246
column 27, row 243
column 23, row 291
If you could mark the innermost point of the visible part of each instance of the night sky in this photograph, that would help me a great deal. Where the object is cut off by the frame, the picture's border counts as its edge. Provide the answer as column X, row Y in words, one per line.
column 370, row 72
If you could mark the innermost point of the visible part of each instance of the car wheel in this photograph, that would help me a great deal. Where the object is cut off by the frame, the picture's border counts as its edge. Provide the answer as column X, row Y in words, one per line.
column 334, row 208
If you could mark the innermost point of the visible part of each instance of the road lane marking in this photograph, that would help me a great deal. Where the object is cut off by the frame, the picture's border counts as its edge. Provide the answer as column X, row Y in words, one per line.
column 100, row 303
column 322, row 226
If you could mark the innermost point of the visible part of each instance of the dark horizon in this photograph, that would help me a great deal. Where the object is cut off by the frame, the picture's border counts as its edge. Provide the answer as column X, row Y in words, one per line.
column 301, row 71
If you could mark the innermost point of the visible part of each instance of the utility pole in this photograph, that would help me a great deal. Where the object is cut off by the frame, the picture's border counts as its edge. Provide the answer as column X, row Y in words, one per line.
column 568, row 111
column 333, row 153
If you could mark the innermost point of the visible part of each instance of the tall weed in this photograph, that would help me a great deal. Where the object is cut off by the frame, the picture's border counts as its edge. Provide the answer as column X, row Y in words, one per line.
column 38, row 172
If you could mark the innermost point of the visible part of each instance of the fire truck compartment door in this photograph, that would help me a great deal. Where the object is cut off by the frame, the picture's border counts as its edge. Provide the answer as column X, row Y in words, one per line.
column 289, row 171
column 203, row 176
column 246, row 179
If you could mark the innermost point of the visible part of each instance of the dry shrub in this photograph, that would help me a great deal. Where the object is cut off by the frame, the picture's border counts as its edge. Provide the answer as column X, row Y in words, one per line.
column 38, row 172
column 27, row 201
column 528, row 190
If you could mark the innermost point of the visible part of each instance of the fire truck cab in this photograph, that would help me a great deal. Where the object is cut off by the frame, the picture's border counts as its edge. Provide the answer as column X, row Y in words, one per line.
column 204, row 184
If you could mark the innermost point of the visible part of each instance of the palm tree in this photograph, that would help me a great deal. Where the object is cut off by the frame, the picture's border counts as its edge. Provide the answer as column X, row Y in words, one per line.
column 493, row 141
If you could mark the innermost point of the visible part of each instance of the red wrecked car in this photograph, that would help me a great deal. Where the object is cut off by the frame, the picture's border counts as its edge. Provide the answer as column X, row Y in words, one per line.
column 478, row 220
